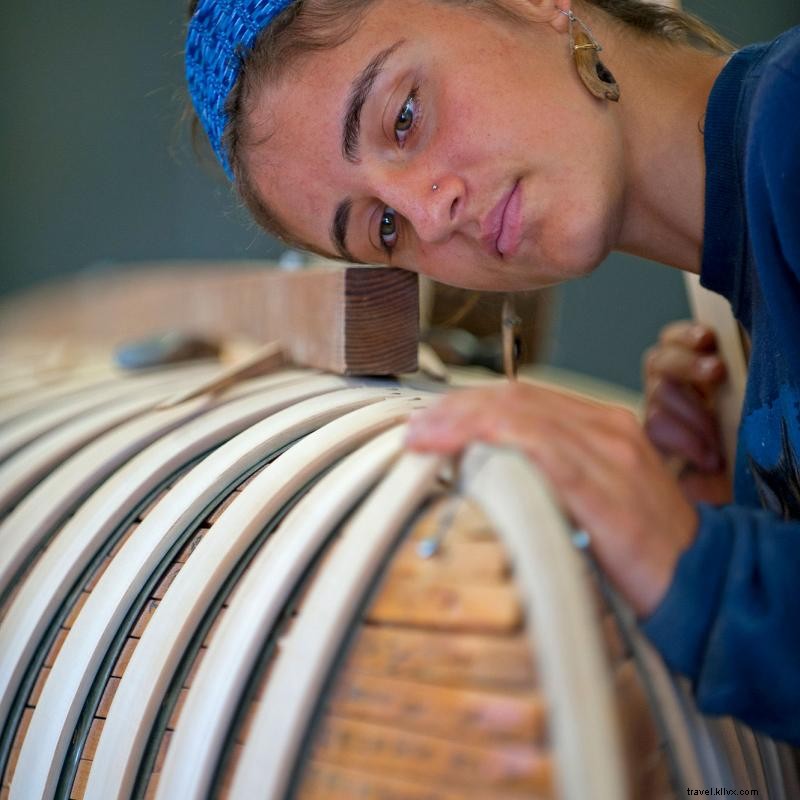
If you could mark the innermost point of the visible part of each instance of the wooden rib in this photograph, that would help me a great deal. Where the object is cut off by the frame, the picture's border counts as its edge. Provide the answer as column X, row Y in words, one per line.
column 713, row 310
column 47, row 585
column 425, row 758
column 665, row 698
column 264, row 360
column 98, row 515
column 351, row 320
column 447, row 606
column 33, row 520
column 254, row 610
column 65, row 692
column 92, row 399
column 306, row 654
column 478, row 716
column 456, row 660
column 145, row 682
column 25, row 468
column 483, row 562
column 30, row 402
column 327, row 782
column 574, row 669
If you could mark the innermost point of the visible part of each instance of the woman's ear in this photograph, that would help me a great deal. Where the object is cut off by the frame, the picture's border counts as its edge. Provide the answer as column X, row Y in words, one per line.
column 551, row 12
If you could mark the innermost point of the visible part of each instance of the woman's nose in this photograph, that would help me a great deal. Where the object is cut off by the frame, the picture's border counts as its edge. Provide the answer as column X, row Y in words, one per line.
column 433, row 205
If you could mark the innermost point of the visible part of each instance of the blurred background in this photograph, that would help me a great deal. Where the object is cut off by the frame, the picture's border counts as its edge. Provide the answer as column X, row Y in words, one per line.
column 98, row 170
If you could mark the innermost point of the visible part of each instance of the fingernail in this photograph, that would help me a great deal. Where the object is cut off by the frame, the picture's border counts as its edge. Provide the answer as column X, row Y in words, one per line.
column 708, row 365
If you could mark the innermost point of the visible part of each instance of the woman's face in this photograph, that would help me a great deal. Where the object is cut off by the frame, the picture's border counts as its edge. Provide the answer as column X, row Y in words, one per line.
column 528, row 166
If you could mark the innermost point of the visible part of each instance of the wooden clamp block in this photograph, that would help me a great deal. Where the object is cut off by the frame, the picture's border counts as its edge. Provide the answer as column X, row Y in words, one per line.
column 351, row 320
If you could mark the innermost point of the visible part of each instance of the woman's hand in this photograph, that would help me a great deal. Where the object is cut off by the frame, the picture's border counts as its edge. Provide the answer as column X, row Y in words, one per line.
column 681, row 376
column 610, row 479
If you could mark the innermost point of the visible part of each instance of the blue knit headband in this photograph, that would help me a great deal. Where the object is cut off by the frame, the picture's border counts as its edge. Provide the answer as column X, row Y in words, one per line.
column 221, row 35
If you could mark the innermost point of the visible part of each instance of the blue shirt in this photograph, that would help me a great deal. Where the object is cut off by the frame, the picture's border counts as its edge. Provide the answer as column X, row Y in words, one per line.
column 731, row 618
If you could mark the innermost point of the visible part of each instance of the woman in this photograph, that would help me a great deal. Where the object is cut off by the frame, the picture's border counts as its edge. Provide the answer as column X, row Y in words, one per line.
column 481, row 143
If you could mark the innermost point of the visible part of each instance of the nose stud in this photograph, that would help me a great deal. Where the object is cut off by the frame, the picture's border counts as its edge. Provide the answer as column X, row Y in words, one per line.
column 435, row 187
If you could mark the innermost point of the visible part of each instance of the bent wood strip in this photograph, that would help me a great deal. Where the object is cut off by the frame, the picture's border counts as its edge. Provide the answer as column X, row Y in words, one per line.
column 713, row 310
column 167, row 635
column 91, row 399
column 572, row 663
column 71, row 552
column 74, row 670
column 14, row 408
column 22, row 470
column 478, row 716
column 34, row 518
column 664, row 696
column 254, row 609
column 351, row 320
column 306, row 654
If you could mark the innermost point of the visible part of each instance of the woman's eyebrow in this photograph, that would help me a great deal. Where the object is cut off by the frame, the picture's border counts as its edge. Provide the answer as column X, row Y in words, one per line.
column 359, row 92
column 338, row 230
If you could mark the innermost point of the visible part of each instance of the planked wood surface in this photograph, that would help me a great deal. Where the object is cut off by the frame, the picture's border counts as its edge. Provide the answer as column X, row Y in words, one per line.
column 347, row 319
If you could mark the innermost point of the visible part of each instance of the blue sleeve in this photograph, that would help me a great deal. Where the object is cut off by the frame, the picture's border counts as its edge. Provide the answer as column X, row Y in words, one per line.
column 730, row 620
column 773, row 166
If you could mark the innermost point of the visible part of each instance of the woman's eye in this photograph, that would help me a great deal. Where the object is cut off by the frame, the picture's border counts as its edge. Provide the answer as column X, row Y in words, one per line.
column 388, row 229
column 405, row 119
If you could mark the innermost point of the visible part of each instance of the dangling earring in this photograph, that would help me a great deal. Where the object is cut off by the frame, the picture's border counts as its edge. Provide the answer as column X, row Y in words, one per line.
column 596, row 77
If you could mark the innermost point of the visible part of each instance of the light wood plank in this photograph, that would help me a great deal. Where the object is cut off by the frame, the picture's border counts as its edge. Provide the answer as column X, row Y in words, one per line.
column 75, row 668
column 163, row 643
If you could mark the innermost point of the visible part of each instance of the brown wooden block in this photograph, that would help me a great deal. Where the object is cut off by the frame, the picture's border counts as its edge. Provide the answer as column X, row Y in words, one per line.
column 81, row 779
column 459, row 520
column 214, row 625
column 93, row 738
column 617, row 650
column 450, row 659
column 162, row 751
column 124, row 657
column 415, row 757
column 640, row 737
column 326, row 782
column 195, row 666
column 141, row 622
column 122, row 539
column 55, row 648
column 456, row 714
column 152, row 504
column 476, row 562
column 244, row 729
column 108, row 695
column 76, row 609
column 354, row 320
column 220, row 509
column 190, row 546
column 166, row 582
column 177, row 708
column 97, row 574
column 152, row 787
column 38, row 686
column 230, row 770
column 19, row 738
column 447, row 606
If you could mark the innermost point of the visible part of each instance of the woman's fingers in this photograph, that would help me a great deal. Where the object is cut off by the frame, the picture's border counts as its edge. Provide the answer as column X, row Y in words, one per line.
column 608, row 476
column 691, row 335
column 703, row 371
column 679, row 423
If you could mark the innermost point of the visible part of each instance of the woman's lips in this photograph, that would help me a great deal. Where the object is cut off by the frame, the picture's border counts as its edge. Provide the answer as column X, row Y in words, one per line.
column 502, row 228
column 511, row 230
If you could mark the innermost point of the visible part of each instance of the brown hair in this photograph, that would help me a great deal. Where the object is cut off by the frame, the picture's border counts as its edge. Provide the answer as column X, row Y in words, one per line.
column 309, row 25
